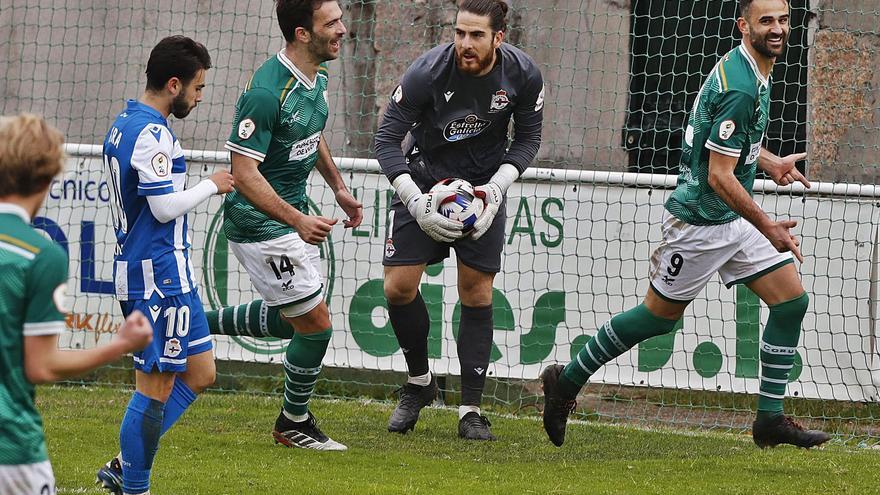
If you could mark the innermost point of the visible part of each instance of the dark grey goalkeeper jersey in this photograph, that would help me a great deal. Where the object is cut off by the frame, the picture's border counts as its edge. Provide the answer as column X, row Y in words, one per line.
column 458, row 124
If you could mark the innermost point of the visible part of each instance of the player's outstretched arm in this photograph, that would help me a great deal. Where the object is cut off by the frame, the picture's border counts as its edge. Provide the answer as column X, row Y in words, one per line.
column 327, row 168
column 167, row 207
column 723, row 181
column 44, row 362
column 782, row 170
column 251, row 183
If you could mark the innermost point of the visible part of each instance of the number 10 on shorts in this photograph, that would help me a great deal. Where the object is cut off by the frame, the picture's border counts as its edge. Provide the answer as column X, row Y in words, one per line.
column 176, row 321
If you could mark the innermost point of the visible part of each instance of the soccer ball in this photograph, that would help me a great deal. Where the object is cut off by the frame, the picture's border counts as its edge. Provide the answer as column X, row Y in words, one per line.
column 463, row 205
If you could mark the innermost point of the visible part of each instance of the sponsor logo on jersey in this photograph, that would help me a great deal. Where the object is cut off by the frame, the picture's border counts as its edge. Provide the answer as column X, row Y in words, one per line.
column 246, row 128
column 499, row 101
column 754, row 151
column 301, row 150
column 448, row 95
column 463, row 128
column 539, row 103
column 161, row 164
column 726, row 130
column 398, row 94
column 173, row 347
column 59, row 297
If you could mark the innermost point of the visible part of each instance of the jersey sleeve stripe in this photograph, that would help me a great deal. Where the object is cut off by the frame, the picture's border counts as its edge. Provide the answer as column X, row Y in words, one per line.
column 19, row 243
column 723, row 75
column 45, row 328
column 241, row 150
column 155, row 185
column 17, row 250
column 721, row 149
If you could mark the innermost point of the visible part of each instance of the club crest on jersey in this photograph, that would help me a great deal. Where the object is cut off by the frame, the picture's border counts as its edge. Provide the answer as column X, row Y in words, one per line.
column 161, row 164
column 499, row 101
column 463, row 128
column 173, row 348
column 726, row 130
column 246, row 128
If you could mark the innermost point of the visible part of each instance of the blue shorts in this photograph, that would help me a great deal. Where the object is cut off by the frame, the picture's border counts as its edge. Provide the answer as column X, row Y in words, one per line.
column 180, row 329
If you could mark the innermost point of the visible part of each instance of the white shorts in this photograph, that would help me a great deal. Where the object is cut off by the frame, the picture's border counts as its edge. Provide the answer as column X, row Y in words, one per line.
column 285, row 271
column 27, row 479
column 690, row 255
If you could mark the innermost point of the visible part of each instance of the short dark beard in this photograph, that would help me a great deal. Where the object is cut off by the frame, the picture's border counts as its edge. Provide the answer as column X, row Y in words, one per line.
column 319, row 50
column 179, row 107
column 760, row 45
column 482, row 63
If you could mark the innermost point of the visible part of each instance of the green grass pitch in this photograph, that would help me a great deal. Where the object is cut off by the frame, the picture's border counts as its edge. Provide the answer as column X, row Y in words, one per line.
column 223, row 446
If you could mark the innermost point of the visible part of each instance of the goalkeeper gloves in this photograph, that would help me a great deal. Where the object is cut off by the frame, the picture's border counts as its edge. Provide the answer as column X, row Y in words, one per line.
column 424, row 208
column 492, row 194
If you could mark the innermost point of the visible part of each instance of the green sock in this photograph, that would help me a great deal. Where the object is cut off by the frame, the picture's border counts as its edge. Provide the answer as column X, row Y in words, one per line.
column 254, row 319
column 778, row 346
column 616, row 336
column 302, row 364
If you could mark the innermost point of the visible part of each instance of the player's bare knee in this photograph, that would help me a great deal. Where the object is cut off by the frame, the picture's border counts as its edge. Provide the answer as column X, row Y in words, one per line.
column 315, row 321
column 397, row 293
column 203, row 378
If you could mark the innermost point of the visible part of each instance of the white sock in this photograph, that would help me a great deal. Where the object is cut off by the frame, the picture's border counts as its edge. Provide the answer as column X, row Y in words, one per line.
column 421, row 380
column 462, row 410
column 295, row 418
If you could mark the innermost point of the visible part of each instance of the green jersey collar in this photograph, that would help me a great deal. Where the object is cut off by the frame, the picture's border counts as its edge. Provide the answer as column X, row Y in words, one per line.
column 761, row 79
column 296, row 72
column 14, row 209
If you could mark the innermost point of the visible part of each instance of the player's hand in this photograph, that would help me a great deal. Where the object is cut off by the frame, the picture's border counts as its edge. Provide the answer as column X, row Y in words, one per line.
column 786, row 173
column 492, row 197
column 779, row 235
column 314, row 229
column 135, row 333
column 425, row 209
column 224, row 181
column 352, row 207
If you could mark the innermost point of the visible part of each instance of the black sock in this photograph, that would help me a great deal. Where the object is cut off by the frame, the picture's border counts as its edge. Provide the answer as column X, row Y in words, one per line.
column 474, row 348
column 411, row 325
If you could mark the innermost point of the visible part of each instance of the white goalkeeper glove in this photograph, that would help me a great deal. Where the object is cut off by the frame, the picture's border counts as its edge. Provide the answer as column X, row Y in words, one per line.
column 424, row 208
column 492, row 194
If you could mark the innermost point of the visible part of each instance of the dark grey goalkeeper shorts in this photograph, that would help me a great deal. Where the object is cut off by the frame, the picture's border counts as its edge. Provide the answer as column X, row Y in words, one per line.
column 407, row 244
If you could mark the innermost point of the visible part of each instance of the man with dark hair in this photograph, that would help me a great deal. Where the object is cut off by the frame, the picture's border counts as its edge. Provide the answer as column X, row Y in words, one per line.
column 276, row 140
column 33, row 307
column 152, row 272
column 449, row 117
column 713, row 226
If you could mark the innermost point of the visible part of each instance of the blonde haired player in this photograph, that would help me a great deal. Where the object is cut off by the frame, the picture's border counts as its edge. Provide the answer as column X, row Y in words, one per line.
column 33, row 277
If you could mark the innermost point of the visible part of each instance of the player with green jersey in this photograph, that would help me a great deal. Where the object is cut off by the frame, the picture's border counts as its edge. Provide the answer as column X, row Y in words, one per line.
column 276, row 141
column 714, row 226
column 729, row 117
column 33, row 280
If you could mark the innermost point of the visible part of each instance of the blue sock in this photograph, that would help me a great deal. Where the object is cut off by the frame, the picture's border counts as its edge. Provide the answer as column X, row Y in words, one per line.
column 181, row 397
column 139, row 438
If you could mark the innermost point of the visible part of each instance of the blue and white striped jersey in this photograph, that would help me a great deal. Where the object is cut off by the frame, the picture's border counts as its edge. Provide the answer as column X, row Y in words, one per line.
column 142, row 157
